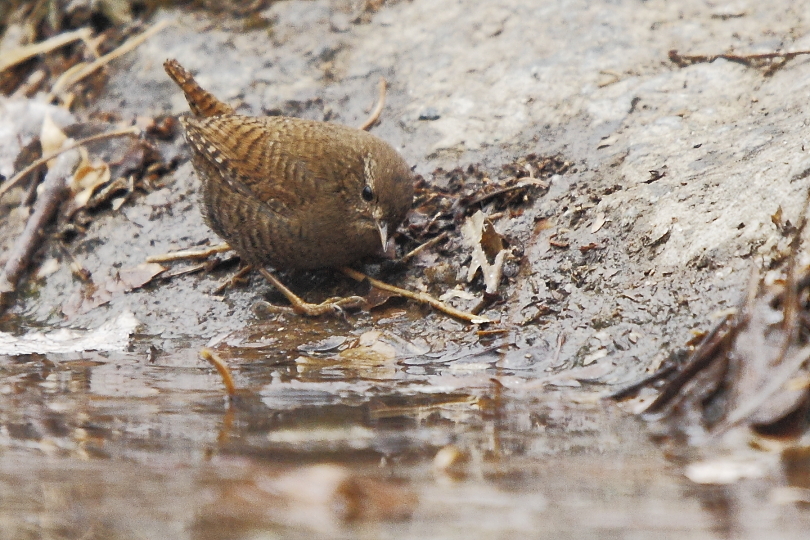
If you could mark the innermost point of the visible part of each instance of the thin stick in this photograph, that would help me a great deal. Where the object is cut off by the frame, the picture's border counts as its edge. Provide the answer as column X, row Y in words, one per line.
column 222, row 368
column 245, row 270
column 418, row 249
column 199, row 267
column 685, row 59
column 375, row 114
column 720, row 336
column 14, row 180
column 417, row 296
column 189, row 254
column 21, row 54
column 80, row 71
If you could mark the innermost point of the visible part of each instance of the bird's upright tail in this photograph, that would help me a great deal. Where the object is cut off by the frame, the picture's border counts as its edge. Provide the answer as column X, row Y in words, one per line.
column 201, row 102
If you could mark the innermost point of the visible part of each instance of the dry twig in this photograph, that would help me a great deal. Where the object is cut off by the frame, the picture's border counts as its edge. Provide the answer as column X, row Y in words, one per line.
column 231, row 281
column 418, row 249
column 47, row 204
column 222, row 369
column 21, row 54
column 80, row 71
column 375, row 114
column 189, row 254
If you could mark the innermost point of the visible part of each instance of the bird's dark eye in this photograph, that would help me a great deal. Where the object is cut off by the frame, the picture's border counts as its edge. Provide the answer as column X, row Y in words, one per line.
column 367, row 194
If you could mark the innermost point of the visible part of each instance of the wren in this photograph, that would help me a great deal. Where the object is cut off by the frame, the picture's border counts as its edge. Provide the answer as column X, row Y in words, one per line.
column 291, row 193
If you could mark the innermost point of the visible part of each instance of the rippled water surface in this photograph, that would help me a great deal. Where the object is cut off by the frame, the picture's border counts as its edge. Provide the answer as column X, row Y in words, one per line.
column 342, row 436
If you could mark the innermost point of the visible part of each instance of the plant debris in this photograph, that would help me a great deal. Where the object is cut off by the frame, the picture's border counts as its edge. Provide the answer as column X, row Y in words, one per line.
column 769, row 62
column 442, row 203
column 55, row 189
column 100, row 292
column 488, row 250
column 752, row 370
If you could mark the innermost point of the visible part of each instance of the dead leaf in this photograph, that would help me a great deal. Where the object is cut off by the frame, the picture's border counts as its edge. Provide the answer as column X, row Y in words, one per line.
column 562, row 244
column 377, row 297
column 126, row 280
column 370, row 349
column 607, row 141
column 542, row 224
column 51, row 137
column 589, row 247
column 87, row 178
column 776, row 218
column 132, row 278
column 457, row 293
column 488, row 251
column 598, row 222
column 47, row 268
column 656, row 175
column 658, row 235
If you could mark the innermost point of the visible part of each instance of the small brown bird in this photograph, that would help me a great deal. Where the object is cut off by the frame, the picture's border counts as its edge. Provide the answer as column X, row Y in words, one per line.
column 293, row 193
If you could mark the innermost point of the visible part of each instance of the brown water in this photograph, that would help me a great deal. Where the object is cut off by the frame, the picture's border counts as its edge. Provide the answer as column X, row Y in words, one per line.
column 133, row 445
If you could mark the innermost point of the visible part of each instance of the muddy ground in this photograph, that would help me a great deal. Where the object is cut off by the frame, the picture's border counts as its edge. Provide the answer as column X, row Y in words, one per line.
column 652, row 228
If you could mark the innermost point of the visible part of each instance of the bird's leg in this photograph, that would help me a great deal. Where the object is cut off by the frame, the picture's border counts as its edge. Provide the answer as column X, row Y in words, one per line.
column 299, row 306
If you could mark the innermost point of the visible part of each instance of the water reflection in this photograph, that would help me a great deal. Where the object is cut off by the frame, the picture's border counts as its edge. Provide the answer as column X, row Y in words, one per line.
column 336, row 438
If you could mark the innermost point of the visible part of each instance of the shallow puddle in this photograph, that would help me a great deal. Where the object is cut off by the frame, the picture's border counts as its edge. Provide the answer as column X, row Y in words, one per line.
column 358, row 435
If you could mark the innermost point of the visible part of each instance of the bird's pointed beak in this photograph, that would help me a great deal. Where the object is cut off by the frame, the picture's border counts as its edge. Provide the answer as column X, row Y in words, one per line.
column 387, row 250
column 383, row 228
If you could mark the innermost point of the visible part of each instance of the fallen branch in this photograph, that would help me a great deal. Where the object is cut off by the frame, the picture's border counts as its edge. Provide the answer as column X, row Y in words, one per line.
column 55, row 190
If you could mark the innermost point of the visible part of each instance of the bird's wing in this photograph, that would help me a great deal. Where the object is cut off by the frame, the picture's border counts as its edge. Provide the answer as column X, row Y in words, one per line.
column 250, row 158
